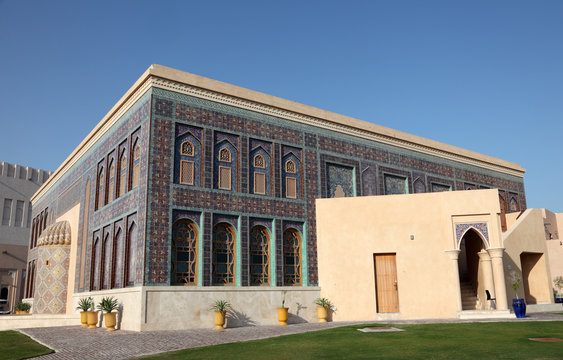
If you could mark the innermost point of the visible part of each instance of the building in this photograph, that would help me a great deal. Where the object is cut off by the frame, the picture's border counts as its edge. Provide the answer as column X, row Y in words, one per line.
column 190, row 190
column 17, row 185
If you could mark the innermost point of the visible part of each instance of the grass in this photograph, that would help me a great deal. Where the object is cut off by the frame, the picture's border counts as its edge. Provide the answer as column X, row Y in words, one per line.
column 15, row 345
column 499, row 340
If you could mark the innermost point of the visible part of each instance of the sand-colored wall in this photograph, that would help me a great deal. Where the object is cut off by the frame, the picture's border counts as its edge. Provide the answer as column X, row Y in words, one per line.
column 184, row 307
column 555, row 248
column 72, row 216
column 527, row 235
column 352, row 230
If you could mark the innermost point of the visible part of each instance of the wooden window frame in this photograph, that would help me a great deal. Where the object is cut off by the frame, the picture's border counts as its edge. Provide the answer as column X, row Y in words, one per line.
column 215, row 280
column 287, row 250
column 264, row 278
column 289, row 180
column 181, row 179
column 191, row 248
column 220, row 184
column 227, row 151
column 256, row 180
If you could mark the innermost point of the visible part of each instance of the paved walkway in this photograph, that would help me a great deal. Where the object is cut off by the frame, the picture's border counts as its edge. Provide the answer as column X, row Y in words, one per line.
column 74, row 342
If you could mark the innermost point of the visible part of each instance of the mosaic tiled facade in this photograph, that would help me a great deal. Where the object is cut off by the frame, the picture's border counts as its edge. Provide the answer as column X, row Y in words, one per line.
column 481, row 227
column 249, row 169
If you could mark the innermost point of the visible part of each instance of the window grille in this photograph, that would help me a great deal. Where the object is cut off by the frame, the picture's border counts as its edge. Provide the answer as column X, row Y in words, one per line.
column 259, row 256
column 123, row 175
column 224, row 178
column 291, row 188
column 136, row 166
column 259, row 183
column 223, row 262
column 259, row 162
column 111, row 183
column 187, row 148
column 291, row 258
column 186, row 172
column 184, row 253
column 290, row 167
column 101, row 189
column 225, row 155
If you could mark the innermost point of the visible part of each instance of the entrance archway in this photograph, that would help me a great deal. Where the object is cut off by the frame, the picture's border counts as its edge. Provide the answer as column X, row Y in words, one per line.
column 470, row 271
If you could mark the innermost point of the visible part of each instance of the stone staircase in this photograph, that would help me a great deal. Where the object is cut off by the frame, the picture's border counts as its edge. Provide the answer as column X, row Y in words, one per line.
column 469, row 300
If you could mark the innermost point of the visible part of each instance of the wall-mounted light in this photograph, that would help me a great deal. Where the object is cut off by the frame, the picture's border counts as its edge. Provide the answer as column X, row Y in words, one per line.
column 412, row 237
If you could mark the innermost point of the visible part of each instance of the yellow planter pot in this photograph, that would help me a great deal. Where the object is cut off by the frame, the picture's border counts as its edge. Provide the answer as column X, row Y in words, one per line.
column 220, row 319
column 322, row 313
column 282, row 316
column 84, row 318
column 111, row 320
column 22, row 312
column 92, row 317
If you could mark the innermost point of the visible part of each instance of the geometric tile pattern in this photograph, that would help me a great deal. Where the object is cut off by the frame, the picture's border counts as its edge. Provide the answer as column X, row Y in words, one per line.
column 340, row 181
column 395, row 185
column 52, row 279
column 480, row 227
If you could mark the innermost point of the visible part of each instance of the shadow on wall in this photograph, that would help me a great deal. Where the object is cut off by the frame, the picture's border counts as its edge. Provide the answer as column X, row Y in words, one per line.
column 238, row 319
column 295, row 318
column 511, row 271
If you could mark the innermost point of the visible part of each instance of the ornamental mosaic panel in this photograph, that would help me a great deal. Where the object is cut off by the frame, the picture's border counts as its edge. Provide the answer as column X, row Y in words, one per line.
column 340, row 181
column 440, row 187
column 480, row 227
column 52, row 279
column 395, row 185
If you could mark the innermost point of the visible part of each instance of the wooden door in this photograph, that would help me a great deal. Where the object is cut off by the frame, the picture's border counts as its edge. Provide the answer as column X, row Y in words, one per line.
column 386, row 287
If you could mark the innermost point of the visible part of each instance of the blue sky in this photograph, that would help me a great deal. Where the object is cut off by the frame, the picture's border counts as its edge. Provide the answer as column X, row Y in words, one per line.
column 482, row 75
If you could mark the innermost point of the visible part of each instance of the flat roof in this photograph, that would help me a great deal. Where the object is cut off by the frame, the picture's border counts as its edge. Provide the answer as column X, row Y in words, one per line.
column 199, row 86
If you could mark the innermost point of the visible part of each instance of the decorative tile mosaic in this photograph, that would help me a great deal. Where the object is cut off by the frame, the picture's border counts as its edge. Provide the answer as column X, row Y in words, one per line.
column 395, row 185
column 340, row 181
column 440, row 187
column 480, row 227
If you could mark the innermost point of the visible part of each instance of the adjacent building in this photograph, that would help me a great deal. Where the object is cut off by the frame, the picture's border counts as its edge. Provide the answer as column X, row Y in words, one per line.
column 190, row 190
column 17, row 185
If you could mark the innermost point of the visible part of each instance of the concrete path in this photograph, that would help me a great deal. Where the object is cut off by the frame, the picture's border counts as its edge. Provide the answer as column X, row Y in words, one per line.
column 74, row 342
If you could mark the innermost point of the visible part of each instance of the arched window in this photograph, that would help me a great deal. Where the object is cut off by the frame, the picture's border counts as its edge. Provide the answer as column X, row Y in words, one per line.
column 259, row 256
column 111, row 182
column 95, row 264
column 187, row 149
column 184, row 253
column 122, row 174
column 223, row 264
column 32, row 235
column 291, row 258
column 106, row 269
column 101, row 189
column 136, row 164
column 259, row 162
column 225, row 155
column 290, row 167
column 131, row 245
column 117, row 260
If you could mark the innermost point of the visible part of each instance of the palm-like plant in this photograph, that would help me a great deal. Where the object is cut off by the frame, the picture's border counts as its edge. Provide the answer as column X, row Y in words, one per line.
column 108, row 304
column 23, row 306
column 323, row 302
column 220, row 305
column 85, row 304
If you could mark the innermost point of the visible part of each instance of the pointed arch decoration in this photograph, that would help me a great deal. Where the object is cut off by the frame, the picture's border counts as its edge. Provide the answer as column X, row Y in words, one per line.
column 480, row 227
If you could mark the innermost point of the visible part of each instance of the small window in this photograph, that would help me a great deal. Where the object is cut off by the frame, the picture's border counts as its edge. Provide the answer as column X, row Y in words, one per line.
column 259, row 162
column 187, row 148
column 259, row 183
column 111, row 182
column 123, row 175
column 291, row 188
column 136, row 166
column 225, row 155
column 224, row 178
column 186, row 172
column 101, row 189
column 290, row 167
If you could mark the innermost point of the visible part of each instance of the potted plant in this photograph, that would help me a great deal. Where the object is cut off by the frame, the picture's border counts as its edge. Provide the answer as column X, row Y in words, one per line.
column 22, row 308
column 323, row 306
column 220, row 307
column 519, row 305
column 558, row 282
column 85, row 305
column 282, row 311
column 107, row 305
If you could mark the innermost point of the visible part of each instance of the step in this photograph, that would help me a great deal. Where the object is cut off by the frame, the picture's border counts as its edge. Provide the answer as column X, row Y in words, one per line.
column 485, row 314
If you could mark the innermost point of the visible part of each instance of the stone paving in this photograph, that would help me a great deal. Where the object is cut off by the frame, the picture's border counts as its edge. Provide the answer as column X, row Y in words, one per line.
column 75, row 342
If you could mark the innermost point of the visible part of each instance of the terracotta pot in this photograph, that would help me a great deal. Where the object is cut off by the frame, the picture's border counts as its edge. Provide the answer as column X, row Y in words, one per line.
column 322, row 313
column 92, row 317
column 219, row 319
column 282, row 316
column 111, row 320
column 84, row 318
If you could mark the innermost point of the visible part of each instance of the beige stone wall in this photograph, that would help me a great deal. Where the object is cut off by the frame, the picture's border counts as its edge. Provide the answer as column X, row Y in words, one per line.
column 555, row 249
column 525, row 245
column 183, row 307
column 351, row 230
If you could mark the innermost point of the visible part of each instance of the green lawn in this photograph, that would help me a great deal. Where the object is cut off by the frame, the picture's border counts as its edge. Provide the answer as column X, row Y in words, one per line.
column 500, row 340
column 15, row 345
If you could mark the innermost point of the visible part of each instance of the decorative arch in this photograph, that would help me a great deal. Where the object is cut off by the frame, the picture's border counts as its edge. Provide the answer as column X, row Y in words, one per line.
column 95, row 264
column 481, row 228
column 100, row 190
column 226, row 166
column 187, row 159
column 117, row 259
column 130, row 254
column 259, row 253
column 136, row 163
column 260, row 171
column 105, row 275
column 122, row 179
column 184, row 253
column 223, row 255
column 292, row 257
column 291, row 172
column 111, row 180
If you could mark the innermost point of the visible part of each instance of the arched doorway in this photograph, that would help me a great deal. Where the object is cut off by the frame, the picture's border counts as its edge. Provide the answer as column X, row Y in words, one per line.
column 470, row 271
